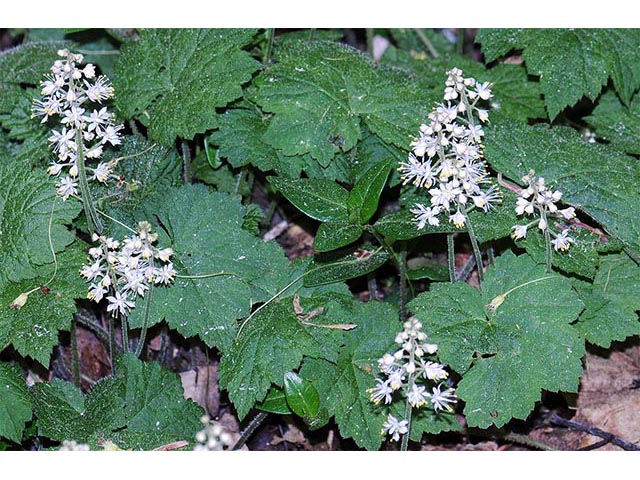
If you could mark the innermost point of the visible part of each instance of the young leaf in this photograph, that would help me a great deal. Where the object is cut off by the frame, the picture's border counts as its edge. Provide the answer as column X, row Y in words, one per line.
column 616, row 123
column 15, row 403
column 363, row 198
column 33, row 328
column 504, row 340
column 26, row 204
column 301, row 395
column 571, row 63
column 568, row 163
column 141, row 407
column 332, row 235
column 222, row 268
column 323, row 200
column 272, row 343
column 275, row 402
column 340, row 265
column 174, row 79
column 611, row 302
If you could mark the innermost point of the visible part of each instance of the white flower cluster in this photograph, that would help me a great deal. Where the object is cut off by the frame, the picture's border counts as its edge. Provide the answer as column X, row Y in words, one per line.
column 448, row 155
column 538, row 199
column 72, row 94
column 73, row 446
column 212, row 436
column 404, row 370
column 127, row 268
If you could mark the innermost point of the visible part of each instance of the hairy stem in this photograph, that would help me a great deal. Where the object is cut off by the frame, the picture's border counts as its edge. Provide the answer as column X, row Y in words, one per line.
column 427, row 43
column 452, row 259
column 145, row 322
column 93, row 220
column 547, row 241
column 370, row 41
column 124, row 323
column 460, row 41
column 112, row 344
column 75, row 356
column 474, row 243
column 186, row 162
column 403, row 285
column 270, row 35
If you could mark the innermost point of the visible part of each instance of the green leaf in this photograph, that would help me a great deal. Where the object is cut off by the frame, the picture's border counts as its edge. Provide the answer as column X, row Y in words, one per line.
column 432, row 271
column 34, row 148
column 581, row 259
column 322, row 92
column 273, row 342
column 229, row 268
column 141, row 407
column 504, row 357
column 239, row 137
column 26, row 205
column 343, row 385
column 147, row 169
column 15, row 403
column 487, row 226
column 616, row 123
column 611, row 302
column 302, row 396
column 571, row 63
column 515, row 96
column 401, row 226
column 33, row 329
column 174, row 79
column 340, row 265
column 275, row 402
column 332, row 235
column 322, row 200
column 24, row 65
column 608, row 195
column 363, row 198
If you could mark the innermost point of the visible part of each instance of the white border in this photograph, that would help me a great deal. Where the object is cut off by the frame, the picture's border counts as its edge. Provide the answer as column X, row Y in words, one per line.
column 320, row 13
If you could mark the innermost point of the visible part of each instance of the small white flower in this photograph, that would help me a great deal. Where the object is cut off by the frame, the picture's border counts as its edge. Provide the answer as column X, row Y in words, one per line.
column 425, row 215
column 519, row 231
column 66, row 187
column 165, row 274
column 562, row 241
column 568, row 213
column 102, row 172
column 442, row 400
column 484, row 90
column 417, row 396
column 119, row 304
column 395, row 427
column 458, row 219
column 96, row 292
column 434, row 371
column 381, row 391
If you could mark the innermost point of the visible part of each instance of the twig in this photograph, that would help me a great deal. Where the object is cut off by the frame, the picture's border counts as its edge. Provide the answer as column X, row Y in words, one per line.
column 253, row 425
column 609, row 437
